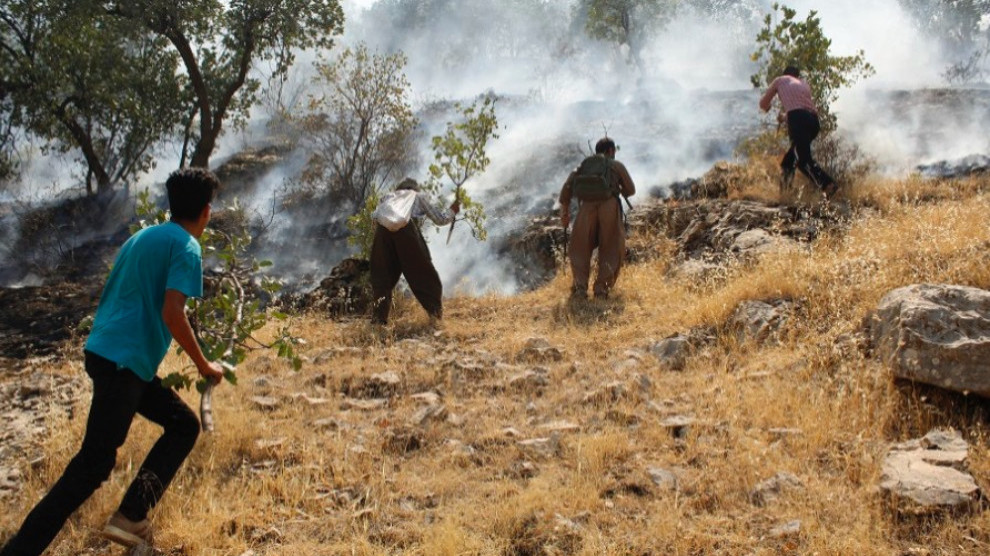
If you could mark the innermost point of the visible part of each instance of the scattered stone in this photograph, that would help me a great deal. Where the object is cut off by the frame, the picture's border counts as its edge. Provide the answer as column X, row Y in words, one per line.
column 511, row 432
column 789, row 529
column 402, row 441
column 539, row 350
column 535, row 379
column 270, row 443
column 696, row 271
column 327, row 355
column 629, row 361
column 935, row 334
column 363, row 405
column 672, row 352
column 456, row 420
column 753, row 243
column 328, row 423
column 769, row 490
column 608, row 393
column 427, row 398
column 524, row 469
column 428, row 413
column 678, row 425
column 929, row 474
column 561, row 427
column 459, row 448
column 265, row 403
column 664, row 479
column 759, row 321
column 543, row 446
column 309, row 401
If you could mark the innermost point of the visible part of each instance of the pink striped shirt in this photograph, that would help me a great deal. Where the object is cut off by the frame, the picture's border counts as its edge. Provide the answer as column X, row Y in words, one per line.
column 794, row 94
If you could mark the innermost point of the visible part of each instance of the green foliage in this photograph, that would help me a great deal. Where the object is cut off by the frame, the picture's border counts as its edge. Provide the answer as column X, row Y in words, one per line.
column 226, row 319
column 361, row 128
column 362, row 226
column 219, row 44
column 803, row 43
column 625, row 22
column 459, row 154
column 84, row 82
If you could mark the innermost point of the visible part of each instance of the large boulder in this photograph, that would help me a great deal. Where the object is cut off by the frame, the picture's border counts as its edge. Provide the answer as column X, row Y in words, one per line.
column 935, row 334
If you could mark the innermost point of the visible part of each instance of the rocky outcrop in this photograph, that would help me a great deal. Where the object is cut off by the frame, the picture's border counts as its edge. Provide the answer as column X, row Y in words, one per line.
column 346, row 291
column 929, row 474
column 935, row 334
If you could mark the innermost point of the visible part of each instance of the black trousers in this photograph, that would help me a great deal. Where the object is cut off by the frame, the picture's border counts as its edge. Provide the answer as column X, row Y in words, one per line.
column 117, row 395
column 403, row 253
column 802, row 128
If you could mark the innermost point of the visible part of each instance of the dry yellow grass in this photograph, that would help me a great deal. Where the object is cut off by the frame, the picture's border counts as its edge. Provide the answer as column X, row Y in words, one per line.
column 273, row 482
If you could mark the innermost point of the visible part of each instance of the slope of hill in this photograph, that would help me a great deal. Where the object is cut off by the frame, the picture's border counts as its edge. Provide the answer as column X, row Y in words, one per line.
column 532, row 425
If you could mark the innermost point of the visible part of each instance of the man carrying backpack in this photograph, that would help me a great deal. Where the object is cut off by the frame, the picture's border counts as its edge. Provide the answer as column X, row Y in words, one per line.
column 802, row 128
column 596, row 184
column 400, row 250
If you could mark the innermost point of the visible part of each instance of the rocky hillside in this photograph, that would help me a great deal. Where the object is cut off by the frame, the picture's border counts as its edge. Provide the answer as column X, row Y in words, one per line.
column 738, row 395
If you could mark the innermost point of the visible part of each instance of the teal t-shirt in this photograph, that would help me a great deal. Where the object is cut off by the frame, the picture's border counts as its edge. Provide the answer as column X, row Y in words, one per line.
column 128, row 328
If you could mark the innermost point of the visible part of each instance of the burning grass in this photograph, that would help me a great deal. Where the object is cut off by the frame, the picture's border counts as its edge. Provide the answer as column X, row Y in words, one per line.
column 310, row 477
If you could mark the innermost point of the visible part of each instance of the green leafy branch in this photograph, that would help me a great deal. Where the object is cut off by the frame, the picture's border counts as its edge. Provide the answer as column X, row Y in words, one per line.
column 459, row 154
column 226, row 319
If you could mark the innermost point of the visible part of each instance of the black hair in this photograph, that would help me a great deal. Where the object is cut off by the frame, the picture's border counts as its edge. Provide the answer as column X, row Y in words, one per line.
column 407, row 183
column 793, row 71
column 604, row 145
column 189, row 191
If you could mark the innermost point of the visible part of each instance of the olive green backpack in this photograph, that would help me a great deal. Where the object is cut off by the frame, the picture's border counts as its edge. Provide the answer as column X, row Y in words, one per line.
column 593, row 180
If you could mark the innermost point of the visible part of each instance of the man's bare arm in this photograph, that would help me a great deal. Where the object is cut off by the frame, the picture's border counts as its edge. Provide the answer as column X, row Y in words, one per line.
column 174, row 315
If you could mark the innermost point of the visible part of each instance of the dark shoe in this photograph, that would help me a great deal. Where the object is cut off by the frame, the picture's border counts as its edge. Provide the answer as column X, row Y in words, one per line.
column 830, row 190
column 126, row 532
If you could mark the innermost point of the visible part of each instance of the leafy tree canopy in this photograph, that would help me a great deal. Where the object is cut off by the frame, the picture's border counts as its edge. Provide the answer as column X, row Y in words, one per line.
column 220, row 42
column 87, row 84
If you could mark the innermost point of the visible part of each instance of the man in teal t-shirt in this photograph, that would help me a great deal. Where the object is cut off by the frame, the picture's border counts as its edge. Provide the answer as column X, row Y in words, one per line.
column 142, row 308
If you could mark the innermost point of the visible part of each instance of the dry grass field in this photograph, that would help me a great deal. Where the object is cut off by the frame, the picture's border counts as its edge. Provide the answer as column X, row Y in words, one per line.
column 564, row 460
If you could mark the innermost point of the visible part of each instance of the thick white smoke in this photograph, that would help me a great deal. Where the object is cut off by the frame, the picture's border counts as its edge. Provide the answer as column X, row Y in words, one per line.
column 682, row 107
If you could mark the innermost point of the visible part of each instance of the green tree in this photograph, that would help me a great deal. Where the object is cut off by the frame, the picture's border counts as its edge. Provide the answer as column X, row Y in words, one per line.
column 220, row 42
column 625, row 22
column 792, row 41
column 361, row 128
column 86, row 83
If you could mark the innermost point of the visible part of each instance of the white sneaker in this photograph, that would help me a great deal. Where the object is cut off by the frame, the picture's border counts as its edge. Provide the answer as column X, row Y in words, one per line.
column 126, row 532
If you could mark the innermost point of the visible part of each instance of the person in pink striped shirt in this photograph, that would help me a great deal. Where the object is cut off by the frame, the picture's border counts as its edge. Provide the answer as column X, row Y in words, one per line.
column 802, row 128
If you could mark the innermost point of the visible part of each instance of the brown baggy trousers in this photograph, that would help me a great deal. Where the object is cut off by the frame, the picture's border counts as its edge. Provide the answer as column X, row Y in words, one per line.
column 598, row 225
column 404, row 253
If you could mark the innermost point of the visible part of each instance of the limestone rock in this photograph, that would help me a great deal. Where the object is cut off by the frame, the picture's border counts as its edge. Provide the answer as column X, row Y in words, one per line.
column 608, row 393
column 539, row 350
column 672, row 352
column 759, row 321
column 935, row 334
column 769, row 490
column 663, row 478
column 928, row 474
